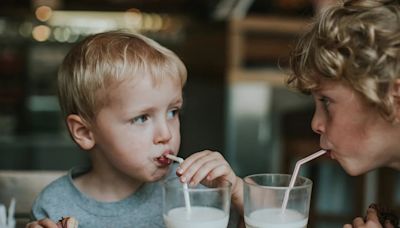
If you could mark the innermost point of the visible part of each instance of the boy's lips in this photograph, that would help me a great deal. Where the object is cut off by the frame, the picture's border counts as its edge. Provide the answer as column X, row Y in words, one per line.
column 162, row 160
column 330, row 154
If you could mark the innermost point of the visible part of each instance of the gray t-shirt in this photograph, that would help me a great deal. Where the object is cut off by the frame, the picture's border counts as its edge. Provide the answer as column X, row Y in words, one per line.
column 62, row 198
column 142, row 209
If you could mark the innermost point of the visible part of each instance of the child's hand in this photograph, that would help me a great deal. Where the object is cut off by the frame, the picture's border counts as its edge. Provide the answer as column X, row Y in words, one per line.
column 207, row 166
column 377, row 216
column 65, row 222
column 43, row 223
column 372, row 221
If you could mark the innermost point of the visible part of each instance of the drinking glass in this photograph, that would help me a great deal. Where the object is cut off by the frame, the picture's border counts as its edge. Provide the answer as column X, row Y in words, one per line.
column 263, row 198
column 208, row 207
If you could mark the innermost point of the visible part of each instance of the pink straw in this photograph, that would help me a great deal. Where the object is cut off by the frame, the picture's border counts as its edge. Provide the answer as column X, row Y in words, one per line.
column 295, row 173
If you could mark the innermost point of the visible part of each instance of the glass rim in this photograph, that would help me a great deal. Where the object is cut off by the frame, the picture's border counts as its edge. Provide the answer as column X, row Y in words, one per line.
column 307, row 182
column 225, row 185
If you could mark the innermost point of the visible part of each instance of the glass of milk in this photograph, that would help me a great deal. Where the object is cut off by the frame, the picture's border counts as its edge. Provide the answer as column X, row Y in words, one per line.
column 209, row 205
column 263, row 198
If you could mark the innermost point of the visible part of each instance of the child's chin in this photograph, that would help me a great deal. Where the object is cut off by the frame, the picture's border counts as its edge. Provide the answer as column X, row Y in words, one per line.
column 159, row 175
column 352, row 170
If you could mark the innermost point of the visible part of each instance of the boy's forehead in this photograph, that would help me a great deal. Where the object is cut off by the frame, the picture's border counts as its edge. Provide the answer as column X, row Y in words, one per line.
column 116, row 90
column 324, row 84
column 132, row 81
column 328, row 85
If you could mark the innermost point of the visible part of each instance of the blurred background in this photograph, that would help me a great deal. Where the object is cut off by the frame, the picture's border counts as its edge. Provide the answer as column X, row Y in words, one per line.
column 235, row 99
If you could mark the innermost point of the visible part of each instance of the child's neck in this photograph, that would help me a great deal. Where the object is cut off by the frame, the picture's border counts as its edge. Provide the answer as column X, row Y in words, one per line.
column 106, row 186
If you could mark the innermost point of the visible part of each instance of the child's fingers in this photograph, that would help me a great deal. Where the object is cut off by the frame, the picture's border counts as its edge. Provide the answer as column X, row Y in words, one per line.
column 33, row 225
column 371, row 220
column 372, row 215
column 195, row 158
column 43, row 223
column 221, row 170
column 200, row 167
column 48, row 223
column 210, row 171
column 358, row 222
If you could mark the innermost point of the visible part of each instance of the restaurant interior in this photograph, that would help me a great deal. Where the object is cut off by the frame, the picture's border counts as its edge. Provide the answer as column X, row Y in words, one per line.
column 236, row 101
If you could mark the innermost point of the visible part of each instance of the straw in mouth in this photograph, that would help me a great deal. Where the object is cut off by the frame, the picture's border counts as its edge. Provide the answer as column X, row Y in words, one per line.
column 174, row 158
column 185, row 185
column 295, row 173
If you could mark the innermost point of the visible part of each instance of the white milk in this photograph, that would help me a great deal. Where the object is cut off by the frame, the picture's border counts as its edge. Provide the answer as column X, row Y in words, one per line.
column 200, row 217
column 272, row 218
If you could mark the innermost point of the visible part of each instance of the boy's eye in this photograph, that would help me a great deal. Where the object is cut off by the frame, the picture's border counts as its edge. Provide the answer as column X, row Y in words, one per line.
column 325, row 102
column 140, row 119
column 172, row 113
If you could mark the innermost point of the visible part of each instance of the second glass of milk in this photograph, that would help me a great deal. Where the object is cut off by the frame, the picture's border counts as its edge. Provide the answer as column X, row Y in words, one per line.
column 196, row 207
column 263, row 198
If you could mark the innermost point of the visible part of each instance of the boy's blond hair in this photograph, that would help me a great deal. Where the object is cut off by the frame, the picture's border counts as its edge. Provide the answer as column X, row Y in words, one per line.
column 103, row 59
column 357, row 42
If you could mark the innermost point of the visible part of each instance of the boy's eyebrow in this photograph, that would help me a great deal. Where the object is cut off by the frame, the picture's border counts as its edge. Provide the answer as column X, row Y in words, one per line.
column 178, row 100
column 144, row 110
column 318, row 92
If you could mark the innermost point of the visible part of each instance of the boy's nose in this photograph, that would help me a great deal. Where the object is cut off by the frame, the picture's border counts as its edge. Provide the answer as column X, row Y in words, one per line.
column 317, row 123
column 163, row 133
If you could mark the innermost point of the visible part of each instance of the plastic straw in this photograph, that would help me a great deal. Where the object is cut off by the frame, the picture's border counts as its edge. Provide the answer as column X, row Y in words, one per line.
column 174, row 158
column 11, row 211
column 3, row 216
column 295, row 173
column 185, row 186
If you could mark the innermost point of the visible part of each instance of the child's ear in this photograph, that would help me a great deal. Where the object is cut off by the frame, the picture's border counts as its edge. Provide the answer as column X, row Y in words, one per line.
column 396, row 96
column 396, row 88
column 80, row 132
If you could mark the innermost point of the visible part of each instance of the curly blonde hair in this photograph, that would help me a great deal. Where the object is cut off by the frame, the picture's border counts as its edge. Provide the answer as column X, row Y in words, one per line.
column 357, row 42
column 106, row 59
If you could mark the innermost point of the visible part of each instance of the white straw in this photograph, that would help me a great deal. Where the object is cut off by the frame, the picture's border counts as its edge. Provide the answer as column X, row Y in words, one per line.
column 3, row 215
column 295, row 172
column 174, row 158
column 11, row 211
column 185, row 186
